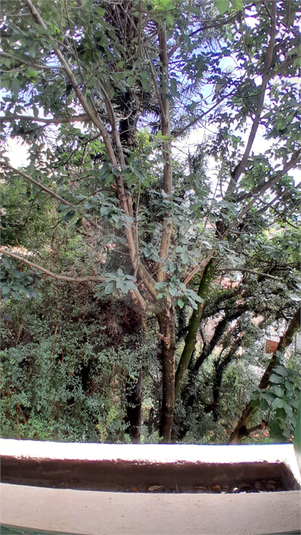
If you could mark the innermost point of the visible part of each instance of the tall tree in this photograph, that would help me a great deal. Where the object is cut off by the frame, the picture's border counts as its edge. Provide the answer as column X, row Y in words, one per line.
column 101, row 91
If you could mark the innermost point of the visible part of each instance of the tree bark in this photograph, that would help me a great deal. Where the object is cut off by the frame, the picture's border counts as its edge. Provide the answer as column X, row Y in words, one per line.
column 220, row 366
column 285, row 340
column 193, row 326
column 166, row 321
column 165, row 130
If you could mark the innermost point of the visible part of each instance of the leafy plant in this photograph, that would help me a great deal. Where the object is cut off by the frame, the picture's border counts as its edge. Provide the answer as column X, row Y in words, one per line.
column 280, row 400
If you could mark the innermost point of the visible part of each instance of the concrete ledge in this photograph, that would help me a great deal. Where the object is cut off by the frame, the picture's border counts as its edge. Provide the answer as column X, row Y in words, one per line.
column 106, row 513
column 178, row 468
column 174, row 468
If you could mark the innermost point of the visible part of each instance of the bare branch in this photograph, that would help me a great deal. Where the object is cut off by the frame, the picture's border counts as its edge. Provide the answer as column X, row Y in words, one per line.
column 135, row 294
column 55, row 120
column 265, row 78
column 166, row 148
column 207, row 25
column 213, row 24
column 177, row 133
column 50, row 192
column 56, row 276
column 23, row 61
column 199, row 267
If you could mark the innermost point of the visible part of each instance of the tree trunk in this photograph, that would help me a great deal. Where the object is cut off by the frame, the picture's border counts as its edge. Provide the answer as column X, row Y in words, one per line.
column 285, row 340
column 220, row 366
column 166, row 149
column 193, row 326
column 167, row 335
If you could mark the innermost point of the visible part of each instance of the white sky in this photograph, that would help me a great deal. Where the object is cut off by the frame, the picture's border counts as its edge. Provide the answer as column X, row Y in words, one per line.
column 17, row 153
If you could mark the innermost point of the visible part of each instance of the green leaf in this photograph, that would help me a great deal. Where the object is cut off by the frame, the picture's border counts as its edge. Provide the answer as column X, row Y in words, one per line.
column 191, row 294
column 237, row 4
column 194, row 9
column 277, row 404
column 5, row 290
column 193, row 303
column 281, row 370
column 131, row 81
column 274, row 378
column 32, row 48
column 173, row 291
column 160, row 285
column 6, row 262
column 180, row 303
column 289, row 386
column 110, row 287
column 144, row 78
column 222, row 6
column 68, row 217
column 254, row 403
column 263, row 405
column 184, row 258
column 100, row 11
column 268, row 395
column 121, row 285
column 288, row 409
column 174, row 87
column 279, row 392
column 276, row 432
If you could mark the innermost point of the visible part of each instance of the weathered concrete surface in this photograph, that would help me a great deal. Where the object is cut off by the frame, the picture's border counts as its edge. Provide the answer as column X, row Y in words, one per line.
column 106, row 513
column 115, row 467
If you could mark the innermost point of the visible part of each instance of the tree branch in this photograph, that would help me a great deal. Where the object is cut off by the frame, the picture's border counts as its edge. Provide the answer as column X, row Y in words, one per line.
column 265, row 78
column 60, row 120
column 199, row 267
column 98, row 123
column 23, row 61
column 206, row 26
column 289, row 165
column 56, row 276
column 166, row 148
column 135, row 294
column 258, row 189
column 50, row 192
column 177, row 133
column 93, row 117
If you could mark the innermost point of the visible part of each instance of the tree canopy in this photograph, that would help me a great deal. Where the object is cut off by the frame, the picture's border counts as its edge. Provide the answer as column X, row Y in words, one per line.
column 107, row 97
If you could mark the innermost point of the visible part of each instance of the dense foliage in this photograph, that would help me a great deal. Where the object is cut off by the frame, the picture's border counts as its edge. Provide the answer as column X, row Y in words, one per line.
column 142, row 272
